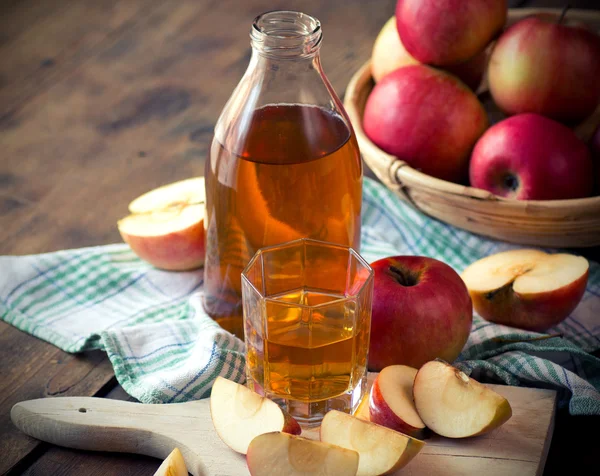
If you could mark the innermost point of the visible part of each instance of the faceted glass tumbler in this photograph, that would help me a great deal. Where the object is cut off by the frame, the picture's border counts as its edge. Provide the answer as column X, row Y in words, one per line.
column 307, row 321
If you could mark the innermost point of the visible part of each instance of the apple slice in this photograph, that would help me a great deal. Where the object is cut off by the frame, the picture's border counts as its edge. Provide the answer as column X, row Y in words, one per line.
column 239, row 415
column 284, row 454
column 454, row 405
column 391, row 403
column 525, row 288
column 171, row 239
column 185, row 192
column 381, row 450
column 173, row 465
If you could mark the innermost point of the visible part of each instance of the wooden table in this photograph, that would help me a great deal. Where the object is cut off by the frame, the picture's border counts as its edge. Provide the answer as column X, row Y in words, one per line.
column 102, row 100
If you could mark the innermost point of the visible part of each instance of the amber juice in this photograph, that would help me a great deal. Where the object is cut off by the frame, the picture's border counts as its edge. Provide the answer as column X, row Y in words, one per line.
column 297, row 173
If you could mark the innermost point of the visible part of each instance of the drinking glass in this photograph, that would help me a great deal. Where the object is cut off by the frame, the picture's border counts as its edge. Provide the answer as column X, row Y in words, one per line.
column 307, row 320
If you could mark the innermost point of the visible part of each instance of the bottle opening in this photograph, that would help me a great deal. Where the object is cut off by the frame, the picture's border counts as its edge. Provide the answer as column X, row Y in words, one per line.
column 286, row 34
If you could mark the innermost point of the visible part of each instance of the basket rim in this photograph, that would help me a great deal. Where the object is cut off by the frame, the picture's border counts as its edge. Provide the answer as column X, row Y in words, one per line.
column 430, row 182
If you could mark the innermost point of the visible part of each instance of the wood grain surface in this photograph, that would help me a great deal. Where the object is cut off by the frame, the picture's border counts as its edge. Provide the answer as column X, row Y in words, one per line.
column 101, row 100
column 519, row 447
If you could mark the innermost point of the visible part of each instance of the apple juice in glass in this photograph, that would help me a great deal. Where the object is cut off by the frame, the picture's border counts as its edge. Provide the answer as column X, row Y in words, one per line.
column 284, row 162
column 307, row 322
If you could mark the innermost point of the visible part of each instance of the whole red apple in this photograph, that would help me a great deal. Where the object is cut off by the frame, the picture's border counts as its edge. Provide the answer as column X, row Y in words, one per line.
column 389, row 54
column 421, row 311
column 531, row 157
column 448, row 32
column 427, row 118
column 546, row 66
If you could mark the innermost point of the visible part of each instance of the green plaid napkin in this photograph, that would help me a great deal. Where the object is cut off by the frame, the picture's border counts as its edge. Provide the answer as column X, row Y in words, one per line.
column 165, row 349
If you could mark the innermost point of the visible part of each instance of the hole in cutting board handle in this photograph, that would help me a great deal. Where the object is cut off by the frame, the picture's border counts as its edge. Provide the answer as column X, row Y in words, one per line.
column 82, row 410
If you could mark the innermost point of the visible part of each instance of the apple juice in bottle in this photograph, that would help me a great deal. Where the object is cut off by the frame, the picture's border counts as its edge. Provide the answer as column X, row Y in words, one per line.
column 284, row 162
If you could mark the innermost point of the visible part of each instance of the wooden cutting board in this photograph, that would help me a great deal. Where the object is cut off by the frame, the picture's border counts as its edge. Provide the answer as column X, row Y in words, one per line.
column 519, row 447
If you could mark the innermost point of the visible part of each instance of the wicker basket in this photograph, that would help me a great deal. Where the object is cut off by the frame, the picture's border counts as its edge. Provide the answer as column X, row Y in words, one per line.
column 553, row 223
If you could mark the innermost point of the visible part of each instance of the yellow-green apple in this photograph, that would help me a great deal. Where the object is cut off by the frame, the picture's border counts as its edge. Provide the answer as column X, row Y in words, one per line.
column 456, row 406
column 547, row 66
column 427, row 118
column 525, row 288
column 173, row 465
column 391, row 401
column 283, row 454
column 166, row 226
column 389, row 54
column 240, row 415
column 381, row 450
column 531, row 157
column 421, row 310
column 447, row 32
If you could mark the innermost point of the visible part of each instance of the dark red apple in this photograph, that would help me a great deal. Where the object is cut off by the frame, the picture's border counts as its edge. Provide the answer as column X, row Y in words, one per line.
column 531, row 157
column 545, row 65
column 446, row 32
column 595, row 147
column 427, row 118
column 421, row 311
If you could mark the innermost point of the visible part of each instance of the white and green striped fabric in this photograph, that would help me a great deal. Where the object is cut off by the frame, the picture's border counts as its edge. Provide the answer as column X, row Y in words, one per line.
column 165, row 349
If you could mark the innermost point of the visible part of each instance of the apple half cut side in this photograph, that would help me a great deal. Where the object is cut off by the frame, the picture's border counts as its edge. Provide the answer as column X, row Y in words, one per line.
column 456, row 406
column 240, row 415
column 173, row 465
column 185, row 192
column 284, row 454
column 526, row 288
column 391, row 402
column 381, row 450
column 170, row 239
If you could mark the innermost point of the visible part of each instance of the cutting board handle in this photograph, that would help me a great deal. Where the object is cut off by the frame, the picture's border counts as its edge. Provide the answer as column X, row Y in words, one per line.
column 110, row 425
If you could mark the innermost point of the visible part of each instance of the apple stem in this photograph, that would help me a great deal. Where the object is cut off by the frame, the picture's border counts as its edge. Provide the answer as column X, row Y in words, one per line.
column 563, row 13
column 403, row 277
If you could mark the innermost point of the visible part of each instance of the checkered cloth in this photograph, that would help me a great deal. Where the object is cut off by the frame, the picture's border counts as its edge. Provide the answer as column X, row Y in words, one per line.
column 165, row 349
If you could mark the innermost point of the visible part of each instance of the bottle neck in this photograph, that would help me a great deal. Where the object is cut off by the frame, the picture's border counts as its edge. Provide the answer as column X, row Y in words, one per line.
column 286, row 35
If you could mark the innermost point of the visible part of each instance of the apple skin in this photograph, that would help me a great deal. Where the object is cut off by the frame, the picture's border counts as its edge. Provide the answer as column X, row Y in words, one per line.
column 531, row 157
column 427, row 118
column 532, row 312
column 547, row 68
column 381, row 413
column 447, row 32
column 411, row 325
column 389, row 54
column 176, row 251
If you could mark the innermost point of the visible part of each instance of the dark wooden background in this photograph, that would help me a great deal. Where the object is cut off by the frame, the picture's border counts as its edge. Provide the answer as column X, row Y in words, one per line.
column 102, row 100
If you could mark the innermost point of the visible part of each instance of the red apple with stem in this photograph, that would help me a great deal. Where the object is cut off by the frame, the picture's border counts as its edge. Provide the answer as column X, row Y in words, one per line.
column 427, row 118
column 531, row 157
column 447, row 32
column 547, row 65
column 421, row 311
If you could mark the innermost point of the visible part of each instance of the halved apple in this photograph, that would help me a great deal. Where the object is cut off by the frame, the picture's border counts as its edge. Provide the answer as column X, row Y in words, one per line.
column 454, row 405
column 185, row 192
column 166, row 226
column 381, row 450
column 284, row 454
column 525, row 288
column 240, row 415
column 391, row 402
column 173, row 465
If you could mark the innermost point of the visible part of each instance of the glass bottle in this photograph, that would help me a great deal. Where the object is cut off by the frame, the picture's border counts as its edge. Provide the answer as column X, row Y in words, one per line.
column 284, row 162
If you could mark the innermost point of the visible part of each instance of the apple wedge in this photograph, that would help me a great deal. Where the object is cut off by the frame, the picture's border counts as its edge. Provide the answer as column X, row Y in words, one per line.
column 170, row 239
column 525, row 288
column 381, row 450
column 454, row 405
column 240, row 415
column 185, row 192
column 391, row 403
column 284, row 454
column 173, row 465
column 166, row 225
